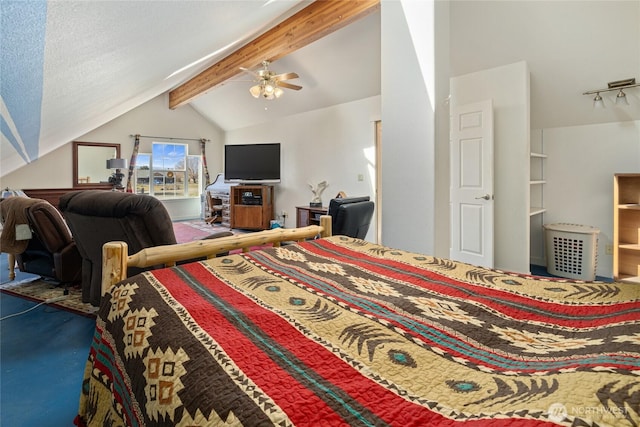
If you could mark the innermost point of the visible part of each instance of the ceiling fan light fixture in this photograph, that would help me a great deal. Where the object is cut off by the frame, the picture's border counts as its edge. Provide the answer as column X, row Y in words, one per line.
column 255, row 91
column 268, row 83
column 269, row 88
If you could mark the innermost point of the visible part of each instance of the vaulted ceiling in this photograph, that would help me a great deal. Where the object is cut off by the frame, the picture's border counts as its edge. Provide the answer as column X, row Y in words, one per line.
column 340, row 67
column 69, row 67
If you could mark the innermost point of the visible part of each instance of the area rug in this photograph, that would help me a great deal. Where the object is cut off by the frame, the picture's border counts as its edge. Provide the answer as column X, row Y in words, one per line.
column 40, row 290
column 187, row 231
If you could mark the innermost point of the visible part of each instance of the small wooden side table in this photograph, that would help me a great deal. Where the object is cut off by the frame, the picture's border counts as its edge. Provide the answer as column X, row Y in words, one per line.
column 306, row 215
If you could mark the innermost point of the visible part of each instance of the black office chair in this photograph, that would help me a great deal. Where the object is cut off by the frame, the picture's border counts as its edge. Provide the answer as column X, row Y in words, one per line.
column 351, row 216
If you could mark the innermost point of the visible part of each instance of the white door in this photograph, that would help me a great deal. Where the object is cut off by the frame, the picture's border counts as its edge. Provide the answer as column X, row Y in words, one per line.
column 471, row 139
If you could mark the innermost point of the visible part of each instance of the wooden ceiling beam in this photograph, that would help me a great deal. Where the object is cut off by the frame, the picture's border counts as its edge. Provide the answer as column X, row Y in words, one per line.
column 320, row 18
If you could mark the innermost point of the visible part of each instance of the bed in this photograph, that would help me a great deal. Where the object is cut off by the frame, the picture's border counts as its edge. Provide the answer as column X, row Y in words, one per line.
column 338, row 331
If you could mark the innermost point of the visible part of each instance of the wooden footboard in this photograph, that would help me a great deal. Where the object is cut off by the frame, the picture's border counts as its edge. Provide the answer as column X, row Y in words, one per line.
column 115, row 258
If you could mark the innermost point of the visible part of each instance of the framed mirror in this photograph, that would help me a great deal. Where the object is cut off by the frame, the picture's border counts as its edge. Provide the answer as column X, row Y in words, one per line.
column 90, row 163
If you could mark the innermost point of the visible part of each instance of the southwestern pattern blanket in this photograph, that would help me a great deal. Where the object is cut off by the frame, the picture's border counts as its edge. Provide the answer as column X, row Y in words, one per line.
column 339, row 331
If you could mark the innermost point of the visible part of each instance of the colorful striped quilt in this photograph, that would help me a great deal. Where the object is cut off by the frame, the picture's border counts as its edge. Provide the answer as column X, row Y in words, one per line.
column 339, row 331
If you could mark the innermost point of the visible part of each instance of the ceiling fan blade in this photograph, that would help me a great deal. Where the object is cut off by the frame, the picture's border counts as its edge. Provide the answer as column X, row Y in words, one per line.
column 286, row 76
column 253, row 73
column 289, row 85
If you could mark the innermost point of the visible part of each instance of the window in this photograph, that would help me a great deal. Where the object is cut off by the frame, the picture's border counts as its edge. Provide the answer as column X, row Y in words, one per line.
column 168, row 172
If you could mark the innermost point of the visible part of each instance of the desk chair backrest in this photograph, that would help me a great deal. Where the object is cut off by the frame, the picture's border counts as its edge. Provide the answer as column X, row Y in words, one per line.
column 351, row 216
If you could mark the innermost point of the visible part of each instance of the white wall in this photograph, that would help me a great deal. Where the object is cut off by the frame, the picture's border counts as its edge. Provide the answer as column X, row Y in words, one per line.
column 408, row 126
column 571, row 47
column 53, row 170
column 508, row 88
column 600, row 43
column 443, row 73
column 335, row 144
column 153, row 118
column 579, row 169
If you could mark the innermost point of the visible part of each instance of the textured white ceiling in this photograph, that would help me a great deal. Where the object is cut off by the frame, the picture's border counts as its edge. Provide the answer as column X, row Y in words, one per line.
column 109, row 57
column 341, row 67
column 103, row 58
column 570, row 46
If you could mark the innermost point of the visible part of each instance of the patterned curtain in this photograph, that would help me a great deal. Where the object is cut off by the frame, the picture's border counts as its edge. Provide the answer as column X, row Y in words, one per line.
column 132, row 163
column 204, row 162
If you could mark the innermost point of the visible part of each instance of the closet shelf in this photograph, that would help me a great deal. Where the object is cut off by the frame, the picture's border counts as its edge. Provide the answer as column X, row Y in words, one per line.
column 632, row 206
column 629, row 279
column 536, row 210
column 629, row 246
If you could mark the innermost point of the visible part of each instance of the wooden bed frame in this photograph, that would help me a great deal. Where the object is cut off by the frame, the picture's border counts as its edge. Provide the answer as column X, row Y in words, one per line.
column 116, row 261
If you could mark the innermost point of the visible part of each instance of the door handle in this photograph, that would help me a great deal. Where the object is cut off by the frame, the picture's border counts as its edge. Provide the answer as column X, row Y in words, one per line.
column 485, row 197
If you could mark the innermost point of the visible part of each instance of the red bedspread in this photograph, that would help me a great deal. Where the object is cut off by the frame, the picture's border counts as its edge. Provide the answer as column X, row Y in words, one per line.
column 342, row 332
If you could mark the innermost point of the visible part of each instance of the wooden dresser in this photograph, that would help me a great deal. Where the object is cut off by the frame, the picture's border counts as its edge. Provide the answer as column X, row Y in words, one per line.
column 52, row 195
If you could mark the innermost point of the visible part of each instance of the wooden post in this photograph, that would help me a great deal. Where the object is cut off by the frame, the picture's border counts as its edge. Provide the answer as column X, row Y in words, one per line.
column 115, row 258
column 114, row 264
column 325, row 223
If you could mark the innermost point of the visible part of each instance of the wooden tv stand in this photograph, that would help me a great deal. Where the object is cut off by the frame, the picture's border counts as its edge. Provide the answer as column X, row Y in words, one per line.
column 251, row 206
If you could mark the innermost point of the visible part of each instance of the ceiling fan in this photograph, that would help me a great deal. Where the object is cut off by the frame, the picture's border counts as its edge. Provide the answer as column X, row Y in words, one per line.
column 269, row 84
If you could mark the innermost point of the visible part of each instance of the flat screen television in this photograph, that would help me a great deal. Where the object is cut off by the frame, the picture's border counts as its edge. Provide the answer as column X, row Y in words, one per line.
column 252, row 163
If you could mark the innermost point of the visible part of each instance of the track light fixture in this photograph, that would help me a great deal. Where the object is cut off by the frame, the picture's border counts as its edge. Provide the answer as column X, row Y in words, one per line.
column 598, row 102
column 619, row 85
column 621, row 98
